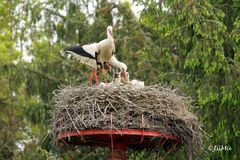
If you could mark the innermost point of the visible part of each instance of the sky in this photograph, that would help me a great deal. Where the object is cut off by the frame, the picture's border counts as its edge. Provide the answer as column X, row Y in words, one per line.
column 135, row 8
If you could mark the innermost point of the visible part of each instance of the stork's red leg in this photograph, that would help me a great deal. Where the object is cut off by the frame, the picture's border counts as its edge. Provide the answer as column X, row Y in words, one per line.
column 104, row 75
column 90, row 78
column 95, row 75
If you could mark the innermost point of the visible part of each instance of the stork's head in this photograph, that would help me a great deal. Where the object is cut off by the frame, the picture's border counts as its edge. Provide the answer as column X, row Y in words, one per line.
column 110, row 31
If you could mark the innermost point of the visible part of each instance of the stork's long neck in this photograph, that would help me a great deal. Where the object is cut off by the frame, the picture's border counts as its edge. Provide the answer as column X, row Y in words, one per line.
column 115, row 62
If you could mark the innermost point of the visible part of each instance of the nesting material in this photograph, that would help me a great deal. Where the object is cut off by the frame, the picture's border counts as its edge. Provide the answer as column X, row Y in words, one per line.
column 150, row 107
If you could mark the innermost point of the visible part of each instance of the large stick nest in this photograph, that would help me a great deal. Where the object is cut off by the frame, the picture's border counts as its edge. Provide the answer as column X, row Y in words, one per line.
column 151, row 108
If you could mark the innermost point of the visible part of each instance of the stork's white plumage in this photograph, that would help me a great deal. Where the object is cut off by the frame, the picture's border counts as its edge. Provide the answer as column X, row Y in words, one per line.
column 95, row 54
column 106, row 47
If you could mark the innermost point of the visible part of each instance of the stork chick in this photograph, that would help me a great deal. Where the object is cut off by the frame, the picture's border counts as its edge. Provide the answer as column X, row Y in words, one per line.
column 117, row 76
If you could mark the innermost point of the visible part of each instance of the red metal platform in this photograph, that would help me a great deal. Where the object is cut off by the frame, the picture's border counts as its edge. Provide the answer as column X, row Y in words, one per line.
column 118, row 140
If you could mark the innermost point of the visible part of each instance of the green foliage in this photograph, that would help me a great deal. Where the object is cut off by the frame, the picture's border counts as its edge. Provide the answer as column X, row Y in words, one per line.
column 191, row 45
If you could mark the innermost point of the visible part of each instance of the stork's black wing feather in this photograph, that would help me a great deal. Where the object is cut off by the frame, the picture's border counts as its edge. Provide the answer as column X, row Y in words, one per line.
column 78, row 50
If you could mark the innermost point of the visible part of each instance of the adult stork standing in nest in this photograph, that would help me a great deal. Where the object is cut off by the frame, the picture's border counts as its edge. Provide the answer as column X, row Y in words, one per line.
column 95, row 54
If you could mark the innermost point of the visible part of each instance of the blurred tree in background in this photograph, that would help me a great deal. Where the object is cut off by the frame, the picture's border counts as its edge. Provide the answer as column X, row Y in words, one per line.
column 187, row 44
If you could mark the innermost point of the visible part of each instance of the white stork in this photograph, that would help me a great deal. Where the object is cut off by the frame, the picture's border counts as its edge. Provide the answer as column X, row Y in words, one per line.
column 95, row 54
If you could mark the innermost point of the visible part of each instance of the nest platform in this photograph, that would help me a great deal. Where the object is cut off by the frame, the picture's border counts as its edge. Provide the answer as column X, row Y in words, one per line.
column 120, row 116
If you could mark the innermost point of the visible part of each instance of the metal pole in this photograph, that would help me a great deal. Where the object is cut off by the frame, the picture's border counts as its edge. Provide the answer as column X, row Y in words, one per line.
column 118, row 152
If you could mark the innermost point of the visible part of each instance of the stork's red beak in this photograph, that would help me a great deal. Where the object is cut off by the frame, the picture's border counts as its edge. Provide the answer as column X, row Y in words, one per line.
column 124, row 75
